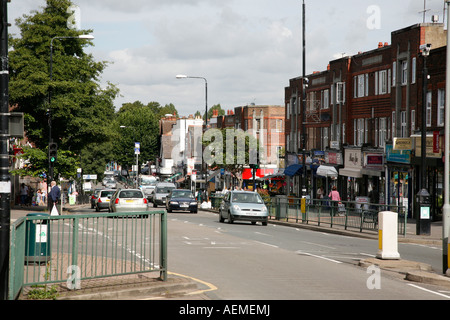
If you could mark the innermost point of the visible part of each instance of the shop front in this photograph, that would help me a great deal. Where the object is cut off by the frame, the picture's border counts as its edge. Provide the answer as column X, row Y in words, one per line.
column 354, row 184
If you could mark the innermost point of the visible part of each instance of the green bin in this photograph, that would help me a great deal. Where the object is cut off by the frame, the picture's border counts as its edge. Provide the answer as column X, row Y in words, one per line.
column 37, row 238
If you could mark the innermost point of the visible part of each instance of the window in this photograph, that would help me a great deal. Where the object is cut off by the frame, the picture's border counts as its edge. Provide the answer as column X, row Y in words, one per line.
column 441, row 107
column 413, row 70
column 428, row 109
column 394, row 73
column 413, row 121
column 359, row 131
column 382, row 82
column 382, row 132
column 361, row 85
column 404, row 72
column 325, row 99
column 403, row 124
column 394, row 133
column 325, row 142
column 279, row 125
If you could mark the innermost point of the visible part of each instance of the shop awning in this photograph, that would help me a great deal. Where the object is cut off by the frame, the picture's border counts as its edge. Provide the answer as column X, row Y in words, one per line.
column 350, row 172
column 327, row 171
column 294, row 169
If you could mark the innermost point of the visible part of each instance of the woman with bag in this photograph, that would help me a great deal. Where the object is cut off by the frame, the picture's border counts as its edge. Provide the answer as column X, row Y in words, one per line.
column 335, row 197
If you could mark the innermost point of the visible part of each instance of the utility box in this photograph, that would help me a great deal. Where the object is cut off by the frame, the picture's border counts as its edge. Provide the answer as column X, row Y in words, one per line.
column 37, row 239
column 423, row 224
column 388, row 236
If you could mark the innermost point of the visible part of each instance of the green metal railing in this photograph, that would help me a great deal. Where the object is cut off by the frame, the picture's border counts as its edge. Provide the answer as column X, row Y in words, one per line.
column 347, row 214
column 71, row 248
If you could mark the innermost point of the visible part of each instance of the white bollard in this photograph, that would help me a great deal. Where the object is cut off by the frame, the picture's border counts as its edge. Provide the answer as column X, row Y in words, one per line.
column 388, row 236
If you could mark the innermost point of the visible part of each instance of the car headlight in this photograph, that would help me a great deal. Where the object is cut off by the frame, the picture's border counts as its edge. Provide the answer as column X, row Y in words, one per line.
column 264, row 209
column 173, row 202
column 236, row 207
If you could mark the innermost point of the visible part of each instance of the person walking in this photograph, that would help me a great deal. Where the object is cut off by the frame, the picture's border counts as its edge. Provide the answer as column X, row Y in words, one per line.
column 55, row 194
column 335, row 197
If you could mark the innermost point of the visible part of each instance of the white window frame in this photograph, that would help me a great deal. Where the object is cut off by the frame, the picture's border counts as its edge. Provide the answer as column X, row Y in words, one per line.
column 382, row 85
column 404, row 75
column 441, row 107
column 429, row 111
column 413, row 70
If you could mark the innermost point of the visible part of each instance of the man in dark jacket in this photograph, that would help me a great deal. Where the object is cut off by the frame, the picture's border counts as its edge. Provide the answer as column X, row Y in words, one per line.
column 55, row 193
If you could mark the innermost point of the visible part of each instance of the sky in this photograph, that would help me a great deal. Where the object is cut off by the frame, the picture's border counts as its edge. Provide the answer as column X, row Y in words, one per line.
column 247, row 50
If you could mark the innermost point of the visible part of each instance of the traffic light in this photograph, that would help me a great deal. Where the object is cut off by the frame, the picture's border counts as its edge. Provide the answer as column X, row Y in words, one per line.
column 52, row 152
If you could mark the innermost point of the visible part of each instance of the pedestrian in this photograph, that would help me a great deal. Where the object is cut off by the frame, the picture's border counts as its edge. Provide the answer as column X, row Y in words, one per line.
column 55, row 194
column 320, row 193
column 23, row 194
column 335, row 198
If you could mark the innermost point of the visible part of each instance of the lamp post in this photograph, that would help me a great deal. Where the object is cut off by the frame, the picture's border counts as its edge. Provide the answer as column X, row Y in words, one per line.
column 446, row 208
column 182, row 76
column 137, row 151
column 423, row 197
column 50, row 139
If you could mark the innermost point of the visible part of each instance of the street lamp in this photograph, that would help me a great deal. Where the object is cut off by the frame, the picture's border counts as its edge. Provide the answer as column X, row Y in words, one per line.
column 182, row 76
column 50, row 140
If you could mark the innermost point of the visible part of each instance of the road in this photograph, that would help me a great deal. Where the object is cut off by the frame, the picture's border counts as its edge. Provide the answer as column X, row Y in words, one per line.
column 243, row 261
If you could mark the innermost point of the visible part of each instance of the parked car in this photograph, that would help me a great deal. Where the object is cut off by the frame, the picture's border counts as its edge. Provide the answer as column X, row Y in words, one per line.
column 160, row 193
column 243, row 205
column 181, row 199
column 130, row 200
column 103, row 199
column 94, row 197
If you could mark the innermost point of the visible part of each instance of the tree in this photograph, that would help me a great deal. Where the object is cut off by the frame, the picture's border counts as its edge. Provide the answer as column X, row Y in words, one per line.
column 135, row 123
column 230, row 149
column 80, row 108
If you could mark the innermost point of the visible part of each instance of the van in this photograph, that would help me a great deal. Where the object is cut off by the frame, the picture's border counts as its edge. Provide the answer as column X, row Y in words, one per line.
column 161, row 191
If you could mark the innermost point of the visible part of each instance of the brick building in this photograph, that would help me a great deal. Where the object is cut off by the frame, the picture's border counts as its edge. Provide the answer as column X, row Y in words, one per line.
column 351, row 114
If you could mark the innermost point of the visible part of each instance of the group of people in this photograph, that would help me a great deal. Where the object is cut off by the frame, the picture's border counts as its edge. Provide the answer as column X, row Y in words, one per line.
column 29, row 197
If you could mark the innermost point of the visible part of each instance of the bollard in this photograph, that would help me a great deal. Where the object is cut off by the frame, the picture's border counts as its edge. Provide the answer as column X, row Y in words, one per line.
column 387, row 236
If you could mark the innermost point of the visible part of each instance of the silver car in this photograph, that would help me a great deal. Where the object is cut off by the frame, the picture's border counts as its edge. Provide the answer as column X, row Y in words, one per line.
column 128, row 200
column 160, row 193
column 103, row 199
column 243, row 205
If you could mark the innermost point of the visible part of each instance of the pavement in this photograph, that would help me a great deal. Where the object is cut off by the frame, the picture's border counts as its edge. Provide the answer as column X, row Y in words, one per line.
column 148, row 286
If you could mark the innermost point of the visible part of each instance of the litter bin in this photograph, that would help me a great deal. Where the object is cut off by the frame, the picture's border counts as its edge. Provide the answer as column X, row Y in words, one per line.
column 37, row 238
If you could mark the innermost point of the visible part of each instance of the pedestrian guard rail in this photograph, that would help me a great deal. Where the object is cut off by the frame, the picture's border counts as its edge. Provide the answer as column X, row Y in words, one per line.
column 67, row 249
column 351, row 215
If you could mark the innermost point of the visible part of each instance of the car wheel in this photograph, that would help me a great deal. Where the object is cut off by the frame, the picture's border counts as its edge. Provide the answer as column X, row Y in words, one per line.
column 195, row 211
column 264, row 223
column 169, row 211
column 97, row 209
column 230, row 219
column 154, row 205
column 221, row 219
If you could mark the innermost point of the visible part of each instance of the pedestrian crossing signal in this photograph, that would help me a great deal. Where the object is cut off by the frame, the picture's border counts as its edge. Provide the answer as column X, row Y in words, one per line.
column 52, row 152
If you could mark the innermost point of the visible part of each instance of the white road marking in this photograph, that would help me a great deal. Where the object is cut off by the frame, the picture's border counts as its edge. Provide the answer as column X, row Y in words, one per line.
column 430, row 291
column 320, row 257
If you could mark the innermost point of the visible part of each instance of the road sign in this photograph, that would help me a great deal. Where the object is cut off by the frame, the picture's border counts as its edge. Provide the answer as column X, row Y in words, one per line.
column 137, row 148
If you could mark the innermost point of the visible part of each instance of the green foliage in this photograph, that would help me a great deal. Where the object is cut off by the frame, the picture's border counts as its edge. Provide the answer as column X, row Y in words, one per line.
column 136, row 123
column 81, row 110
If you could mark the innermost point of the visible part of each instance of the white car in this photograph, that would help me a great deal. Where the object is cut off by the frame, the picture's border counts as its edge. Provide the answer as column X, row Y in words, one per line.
column 128, row 200
column 103, row 199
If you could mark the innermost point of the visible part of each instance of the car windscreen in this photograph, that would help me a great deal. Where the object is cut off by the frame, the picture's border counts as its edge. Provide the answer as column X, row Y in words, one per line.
column 246, row 198
column 163, row 189
column 104, row 194
column 182, row 194
column 131, row 194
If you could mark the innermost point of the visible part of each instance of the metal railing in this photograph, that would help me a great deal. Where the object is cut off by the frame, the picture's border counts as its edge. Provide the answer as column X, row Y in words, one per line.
column 347, row 214
column 69, row 248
